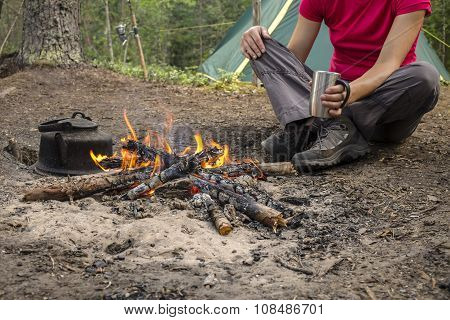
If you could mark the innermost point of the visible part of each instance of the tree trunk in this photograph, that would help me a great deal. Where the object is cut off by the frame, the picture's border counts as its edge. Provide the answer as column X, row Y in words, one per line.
column 108, row 31
column 51, row 33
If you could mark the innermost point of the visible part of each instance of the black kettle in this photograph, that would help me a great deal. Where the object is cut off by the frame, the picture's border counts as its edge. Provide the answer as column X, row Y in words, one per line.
column 66, row 144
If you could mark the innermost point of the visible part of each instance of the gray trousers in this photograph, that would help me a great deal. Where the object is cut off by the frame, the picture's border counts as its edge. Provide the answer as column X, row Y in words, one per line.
column 390, row 114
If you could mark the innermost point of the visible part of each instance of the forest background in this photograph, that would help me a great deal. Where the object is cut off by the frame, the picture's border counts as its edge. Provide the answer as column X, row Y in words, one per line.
column 178, row 33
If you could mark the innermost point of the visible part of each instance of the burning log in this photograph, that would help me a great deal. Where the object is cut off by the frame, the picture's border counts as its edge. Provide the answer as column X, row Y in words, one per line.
column 111, row 163
column 239, row 169
column 180, row 189
column 257, row 195
column 85, row 186
column 254, row 210
column 182, row 168
column 146, row 153
column 221, row 223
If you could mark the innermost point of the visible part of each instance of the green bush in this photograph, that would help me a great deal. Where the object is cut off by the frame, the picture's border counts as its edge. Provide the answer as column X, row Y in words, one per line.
column 228, row 82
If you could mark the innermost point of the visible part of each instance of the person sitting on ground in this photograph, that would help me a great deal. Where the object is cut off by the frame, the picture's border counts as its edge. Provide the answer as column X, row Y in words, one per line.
column 374, row 49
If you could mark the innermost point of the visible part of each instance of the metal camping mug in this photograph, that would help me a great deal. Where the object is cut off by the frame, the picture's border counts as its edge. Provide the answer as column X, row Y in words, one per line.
column 322, row 80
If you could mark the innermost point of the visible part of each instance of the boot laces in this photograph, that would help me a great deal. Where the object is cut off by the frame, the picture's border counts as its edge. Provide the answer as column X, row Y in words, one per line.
column 331, row 132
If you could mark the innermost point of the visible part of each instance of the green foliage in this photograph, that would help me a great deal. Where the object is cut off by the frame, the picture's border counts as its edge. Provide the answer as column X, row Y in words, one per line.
column 438, row 24
column 173, row 32
column 170, row 30
column 166, row 74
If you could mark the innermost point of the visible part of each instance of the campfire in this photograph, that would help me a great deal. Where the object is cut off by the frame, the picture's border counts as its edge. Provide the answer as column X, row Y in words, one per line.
column 216, row 182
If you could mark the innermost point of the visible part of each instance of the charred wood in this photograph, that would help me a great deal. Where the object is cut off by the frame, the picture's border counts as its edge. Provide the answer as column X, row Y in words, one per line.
column 254, row 210
column 253, row 193
column 181, row 169
column 112, row 163
column 146, row 153
column 217, row 216
column 239, row 169
column 180, row 188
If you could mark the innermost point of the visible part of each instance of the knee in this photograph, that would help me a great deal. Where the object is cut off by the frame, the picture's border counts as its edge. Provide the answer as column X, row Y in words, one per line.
column 426, row 82
column 426, row 76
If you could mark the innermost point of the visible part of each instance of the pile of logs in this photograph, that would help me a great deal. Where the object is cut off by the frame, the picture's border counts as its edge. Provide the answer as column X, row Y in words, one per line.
column 215, row 188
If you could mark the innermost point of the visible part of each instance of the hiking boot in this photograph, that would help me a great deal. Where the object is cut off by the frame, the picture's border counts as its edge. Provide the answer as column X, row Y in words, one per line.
column 338, row 141
column 284, row 144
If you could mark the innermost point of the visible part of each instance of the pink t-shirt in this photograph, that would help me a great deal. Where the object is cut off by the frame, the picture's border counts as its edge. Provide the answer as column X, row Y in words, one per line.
column 359, row 28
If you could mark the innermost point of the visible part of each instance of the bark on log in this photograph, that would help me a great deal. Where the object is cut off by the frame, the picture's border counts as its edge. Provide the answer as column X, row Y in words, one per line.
column 51, row 33
column 239, row 169
column 260, row 170
column 254, row 210
column 278, row 168
column 221, row 223
column 252, row 193
column 85, row 186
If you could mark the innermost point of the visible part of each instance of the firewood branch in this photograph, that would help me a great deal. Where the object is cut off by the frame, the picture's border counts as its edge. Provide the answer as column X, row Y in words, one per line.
column 253, row 193
column 85, row 186
column 216, row 214
column 254, row 210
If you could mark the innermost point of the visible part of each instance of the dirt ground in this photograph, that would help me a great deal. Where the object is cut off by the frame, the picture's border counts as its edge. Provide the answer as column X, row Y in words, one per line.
column 375, row 229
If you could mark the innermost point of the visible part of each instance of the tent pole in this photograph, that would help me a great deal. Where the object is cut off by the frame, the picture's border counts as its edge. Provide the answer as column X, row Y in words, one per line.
column 138, row 40
column 256, row 22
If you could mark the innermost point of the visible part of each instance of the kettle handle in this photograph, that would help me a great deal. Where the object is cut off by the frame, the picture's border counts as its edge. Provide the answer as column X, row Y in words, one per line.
column 56, row 125
column 78, row 113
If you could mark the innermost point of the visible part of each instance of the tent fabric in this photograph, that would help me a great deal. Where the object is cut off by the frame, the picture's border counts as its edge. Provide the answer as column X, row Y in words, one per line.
column 227, row 57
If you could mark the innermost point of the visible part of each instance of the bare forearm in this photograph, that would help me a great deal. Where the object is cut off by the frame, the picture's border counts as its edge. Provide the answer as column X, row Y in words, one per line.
column 399, row 41
column 370, row 81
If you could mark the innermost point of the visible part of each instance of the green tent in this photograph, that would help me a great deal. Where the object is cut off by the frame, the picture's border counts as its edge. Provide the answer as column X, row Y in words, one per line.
column 280, row 17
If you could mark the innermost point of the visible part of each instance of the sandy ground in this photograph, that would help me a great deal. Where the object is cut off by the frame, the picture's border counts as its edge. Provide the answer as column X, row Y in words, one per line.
column 378, row 228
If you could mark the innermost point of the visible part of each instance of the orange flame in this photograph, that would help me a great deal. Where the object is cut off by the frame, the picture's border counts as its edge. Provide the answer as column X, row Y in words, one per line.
column 156, row 166
column 129, row 126
column 220, row 160
column 167, row 147
column 185, row 151
column 97, row 159
column 199, row 141
column 217, row 162
column 156, row 170
column 130, row 159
